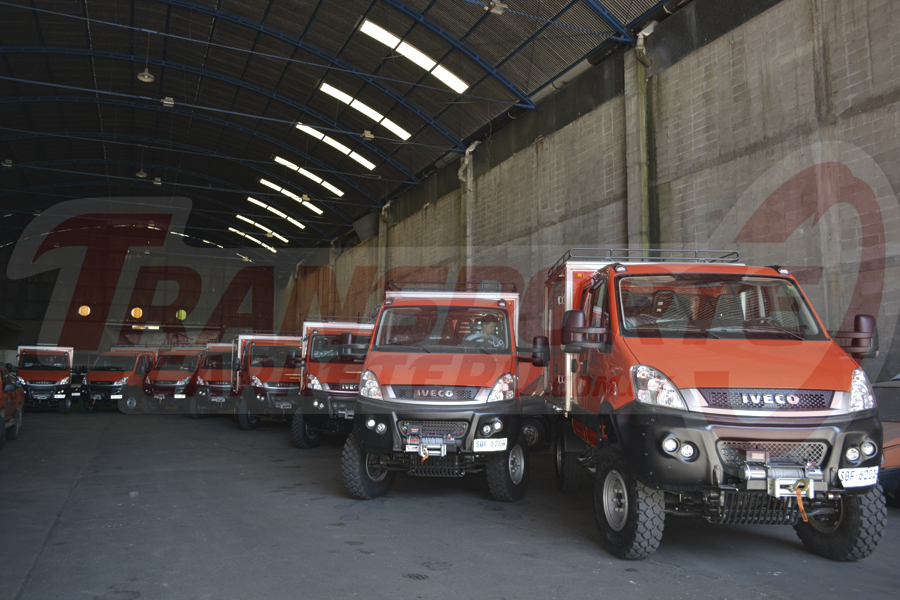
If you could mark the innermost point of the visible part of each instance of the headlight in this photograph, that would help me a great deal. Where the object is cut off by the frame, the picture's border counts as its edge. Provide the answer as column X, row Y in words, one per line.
column 313, row 383
column 504, row 389
column 369, row 387
column 21, row 381
column 147, row 380
column 861, row 396
column 653, row 387
column 122, row 381
column 254, row 381
column 63, row 381
column 200, row 381
column 184, row 381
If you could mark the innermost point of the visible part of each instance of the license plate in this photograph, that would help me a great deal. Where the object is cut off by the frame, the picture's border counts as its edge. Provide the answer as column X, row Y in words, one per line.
column 97, row 397
column 160, row 396
column 180, row 396
column 59, row 395
column 284, row 405
column 217, row 399
column 858, row 477
column 41, row 396
column 490, row 445
column 115, row 396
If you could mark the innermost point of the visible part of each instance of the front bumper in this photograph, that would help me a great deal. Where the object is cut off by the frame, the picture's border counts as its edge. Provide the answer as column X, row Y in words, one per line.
column 441, row 426
column 275, row 401
column 45, row 396
column 328, row 404
column 726, row 447
column 169, row 395
column 215, row 396
column 106, row 395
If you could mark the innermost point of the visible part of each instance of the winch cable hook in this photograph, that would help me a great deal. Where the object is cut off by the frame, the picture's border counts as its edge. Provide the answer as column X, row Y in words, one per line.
column 800, row 487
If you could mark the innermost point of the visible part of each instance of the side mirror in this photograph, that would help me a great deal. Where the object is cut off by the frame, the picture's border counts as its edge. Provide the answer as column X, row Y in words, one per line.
column 862, row 340
column 350, row 352
column 292, row 362
column 9, row 367
column 9, row 387
column 540, row 355
column 573, row 330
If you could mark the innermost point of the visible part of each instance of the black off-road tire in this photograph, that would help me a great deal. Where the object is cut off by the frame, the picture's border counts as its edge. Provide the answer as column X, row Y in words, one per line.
column 363, row 479
column 630, row 515
column 12, row 433
column 85, row 406
column 151, row 406
column 855, row 532
column 534, row 433
column 565, row 466
column 193, row 409
column 303, row 436
column 508, row 473
column 65, row 405
column 245, row 419
column 131, row 401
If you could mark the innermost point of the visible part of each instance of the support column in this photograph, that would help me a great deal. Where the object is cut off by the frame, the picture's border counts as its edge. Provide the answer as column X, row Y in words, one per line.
column 466, row 176
column 637, row 150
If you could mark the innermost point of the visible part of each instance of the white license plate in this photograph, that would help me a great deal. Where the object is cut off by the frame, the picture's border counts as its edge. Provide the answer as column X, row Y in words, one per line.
column 858, row 477
column 97, row 397
column 59, row 395
column 217, row 399
column 115, row 396
column 180, row 396
column 490, row 445
column 284, row 405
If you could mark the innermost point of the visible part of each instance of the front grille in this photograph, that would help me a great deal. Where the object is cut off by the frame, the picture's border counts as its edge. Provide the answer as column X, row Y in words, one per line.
column 275, row 384
column 440, row 466
column 342, row 387
column 219, row 383
column 43, row 382
column 754, row 399
column 780, row 453
column 754, row 508
column 454, row 429
column 434, row 392
column 100, row 383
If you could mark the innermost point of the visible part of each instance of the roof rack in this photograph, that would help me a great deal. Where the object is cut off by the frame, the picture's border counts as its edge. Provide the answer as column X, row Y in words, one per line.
column 460, row 286
column 339, row 319
column 647, row 255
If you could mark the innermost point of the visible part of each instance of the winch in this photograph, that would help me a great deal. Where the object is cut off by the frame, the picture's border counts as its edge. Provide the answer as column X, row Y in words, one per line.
column 785, row 481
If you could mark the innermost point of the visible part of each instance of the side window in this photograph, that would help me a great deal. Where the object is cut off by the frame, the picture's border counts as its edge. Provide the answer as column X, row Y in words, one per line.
column 599, row 311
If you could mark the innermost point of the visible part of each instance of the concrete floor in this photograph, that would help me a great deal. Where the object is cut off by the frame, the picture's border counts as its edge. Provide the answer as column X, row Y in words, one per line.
column 115, row 507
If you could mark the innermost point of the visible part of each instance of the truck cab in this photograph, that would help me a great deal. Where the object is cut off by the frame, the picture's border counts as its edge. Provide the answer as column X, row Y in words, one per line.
column 116, row 379
column 216, row 381
column 173, row 379
column 270, row 368
column 693, row 385
column 438, row 394
column 329, row 387
column 46, row 374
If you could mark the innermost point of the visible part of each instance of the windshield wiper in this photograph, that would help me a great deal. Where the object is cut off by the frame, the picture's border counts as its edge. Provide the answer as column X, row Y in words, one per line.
column 761, row 328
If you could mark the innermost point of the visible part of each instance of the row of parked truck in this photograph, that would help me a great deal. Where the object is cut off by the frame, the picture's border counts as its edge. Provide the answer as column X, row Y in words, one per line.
column 684, row 383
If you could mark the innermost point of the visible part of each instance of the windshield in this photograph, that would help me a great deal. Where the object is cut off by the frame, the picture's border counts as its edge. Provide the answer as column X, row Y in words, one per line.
column 114, row 362
column 177, row 362
column 443, row 329
column 44, row 362
column 324, row 348
column 281, row 357
column 217, row 360
column 717, row 306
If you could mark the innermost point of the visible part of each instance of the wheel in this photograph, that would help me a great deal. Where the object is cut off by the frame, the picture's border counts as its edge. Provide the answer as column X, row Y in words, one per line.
column 852, row 533
column 303, row 436
column 568, row 471
column 534, row 433
column 629, row 514
column 193, row 409
column 245, row 419
column 131, row 401
column 507, row 474
column 151, row 405
column 85, row 406
column 12, row 433
column 363, row 477
column 65, row 405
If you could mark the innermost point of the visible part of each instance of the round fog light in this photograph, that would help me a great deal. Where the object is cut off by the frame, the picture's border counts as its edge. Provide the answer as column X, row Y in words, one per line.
column 868, row 448
column 687, row 451
column 852, row 454
column 370, row 423
column 316, row 403
column 670, row 445
column 486, row 429
column 498, row 425
column 381, row 428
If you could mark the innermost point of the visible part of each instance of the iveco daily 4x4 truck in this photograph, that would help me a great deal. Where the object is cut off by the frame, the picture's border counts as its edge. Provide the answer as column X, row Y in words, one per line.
column 695, row 386
column 438, row 395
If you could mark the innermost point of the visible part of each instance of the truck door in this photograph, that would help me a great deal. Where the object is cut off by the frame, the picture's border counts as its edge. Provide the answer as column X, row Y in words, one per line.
column 555, row 373
column 591, row 377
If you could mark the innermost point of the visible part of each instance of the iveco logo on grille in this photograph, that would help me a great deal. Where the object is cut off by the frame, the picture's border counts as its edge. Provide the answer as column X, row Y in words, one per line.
column 350, row 386
column 432, row 393
column 770, row 399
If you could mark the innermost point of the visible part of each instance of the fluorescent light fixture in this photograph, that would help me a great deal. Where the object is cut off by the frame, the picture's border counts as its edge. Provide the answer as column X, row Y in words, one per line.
column 290, row 194
column 271, row 185
column 366, row 110
column 286, row 163
column 386, row 38
column 310, row 131
column 361, row 160
column 261, row 226
column 245, row 219
column 274, row 210
column 252, row 239
column 309, row 175
column 455, row 83
column 336, row 93
column 313, row 207
column 256, row 202
column 271, row 209
column 399, row 131
column 336, row 145
column 294, row 221
column 305, row 173
column 417, row 57
column 333, row 189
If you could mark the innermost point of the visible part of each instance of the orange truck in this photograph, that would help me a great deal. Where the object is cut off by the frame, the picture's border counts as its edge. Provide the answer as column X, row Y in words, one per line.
column 12, row 405
column 692, row 385
column 173, row 379
column 46, row 374
column 269, row 372
column 216, row 381
column 438, row 394
column 329, row 387
column 116, row 379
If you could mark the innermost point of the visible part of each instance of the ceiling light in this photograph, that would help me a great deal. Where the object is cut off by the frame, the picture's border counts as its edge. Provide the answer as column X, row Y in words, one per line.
column 146, row 76
column 336, row 145
column 157, row 181
column 366, row 110
column 333, row 189
column 256, row 202
column 305, row 173
column 168, row 102
column 294, row 221
column 386, row 38
column 271, row 185
column 286, row 163
column 456, row 84
column 141, row 174
column 310, row 131
column 401, row 133
column 37, row 213
column 336, row 93
column 361, row 160
column 496, row 7
column 243, row 218
column 367, row 135
column 8, row 163
column 417, row 57
column 274, row 210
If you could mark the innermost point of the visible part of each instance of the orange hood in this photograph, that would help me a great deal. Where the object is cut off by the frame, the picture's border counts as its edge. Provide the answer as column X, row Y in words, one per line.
column 335, row 372
column 106, row 376
column 400, row 368
column 702, row 363
column 42, row 375
column 273, row 375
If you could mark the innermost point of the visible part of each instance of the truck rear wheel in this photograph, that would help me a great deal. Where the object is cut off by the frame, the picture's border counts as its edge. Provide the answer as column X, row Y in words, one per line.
column 303, row 436
column 65, row 405
column 130, row 401
column 151, row 405
column 363, row 477
column 85, row 406
column 568, row 472
column 12, row 433
column 507, row 474
column 534, row 433
column 630, row 515
column 852, row 534
column 245, row 419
